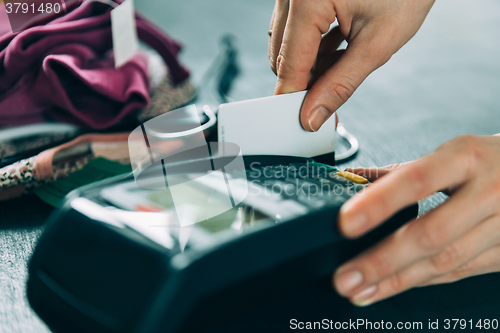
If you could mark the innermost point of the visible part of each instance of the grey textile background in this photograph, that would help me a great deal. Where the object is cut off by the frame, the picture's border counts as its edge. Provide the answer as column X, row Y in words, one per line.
column 444, row 82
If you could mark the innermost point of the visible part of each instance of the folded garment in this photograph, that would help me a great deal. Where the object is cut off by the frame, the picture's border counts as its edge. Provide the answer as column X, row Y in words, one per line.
column 64, row 71
column 19, row 142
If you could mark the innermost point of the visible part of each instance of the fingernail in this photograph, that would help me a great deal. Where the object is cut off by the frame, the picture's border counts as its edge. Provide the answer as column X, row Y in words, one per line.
column 363, row 297
column 318, row 117
column 351, row 222
column 348, row 281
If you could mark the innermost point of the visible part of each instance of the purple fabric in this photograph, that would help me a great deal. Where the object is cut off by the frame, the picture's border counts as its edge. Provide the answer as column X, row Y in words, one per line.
column 64, row 71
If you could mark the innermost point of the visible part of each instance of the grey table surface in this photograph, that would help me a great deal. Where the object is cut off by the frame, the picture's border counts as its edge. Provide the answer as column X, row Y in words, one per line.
column 443, row 83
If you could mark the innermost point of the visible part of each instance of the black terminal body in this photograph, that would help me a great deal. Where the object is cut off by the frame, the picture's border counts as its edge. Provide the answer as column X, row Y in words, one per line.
column 91, row 273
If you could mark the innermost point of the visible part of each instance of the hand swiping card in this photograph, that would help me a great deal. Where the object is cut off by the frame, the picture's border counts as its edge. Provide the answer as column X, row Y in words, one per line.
column 271, row 126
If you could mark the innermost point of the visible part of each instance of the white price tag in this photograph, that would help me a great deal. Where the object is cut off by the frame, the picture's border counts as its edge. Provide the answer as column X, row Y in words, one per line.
column 125, row 40
column 4, row 20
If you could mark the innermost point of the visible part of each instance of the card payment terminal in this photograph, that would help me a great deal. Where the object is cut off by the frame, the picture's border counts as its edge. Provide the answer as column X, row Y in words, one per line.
column 115, row 259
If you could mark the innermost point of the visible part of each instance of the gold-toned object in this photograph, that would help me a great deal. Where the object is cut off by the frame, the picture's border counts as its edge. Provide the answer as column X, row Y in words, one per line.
column 353, row 177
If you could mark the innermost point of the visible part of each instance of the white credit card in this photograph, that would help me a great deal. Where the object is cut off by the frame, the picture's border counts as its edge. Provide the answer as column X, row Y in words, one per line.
column 271, row 126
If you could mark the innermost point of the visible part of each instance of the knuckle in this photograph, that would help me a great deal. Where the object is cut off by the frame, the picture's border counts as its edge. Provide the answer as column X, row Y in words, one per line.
column 322, row 17
column 466, row 140
column 447, row 259
column 344, row 89
column 418, row 178
column 396, row 282
column 463, row 271
column 469, row 150
column 322, row 23
column 379, row 54
column 317, row 13
column 380, row 266
column 466, row 144
column 430, row 238
column 286, row 69
column 478, row 150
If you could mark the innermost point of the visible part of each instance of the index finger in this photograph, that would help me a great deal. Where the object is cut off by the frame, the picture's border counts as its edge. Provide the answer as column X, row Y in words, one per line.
column 307, row 22
column 401, row 188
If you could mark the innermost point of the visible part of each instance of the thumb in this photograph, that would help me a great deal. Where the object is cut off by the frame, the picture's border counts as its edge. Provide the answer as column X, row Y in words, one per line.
column 338, row 84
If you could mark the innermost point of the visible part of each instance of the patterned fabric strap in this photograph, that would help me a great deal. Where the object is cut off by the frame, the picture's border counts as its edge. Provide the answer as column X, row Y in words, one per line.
column 24, row 172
